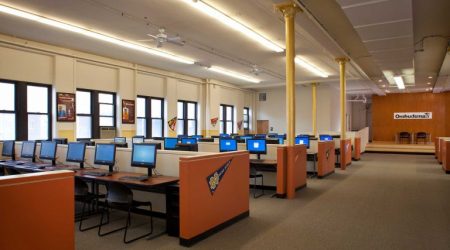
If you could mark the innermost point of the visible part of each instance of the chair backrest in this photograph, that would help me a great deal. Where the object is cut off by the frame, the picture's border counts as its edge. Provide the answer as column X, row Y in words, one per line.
column 404, row 134
column 119, row 193
column 421, row 134
column 81, row 187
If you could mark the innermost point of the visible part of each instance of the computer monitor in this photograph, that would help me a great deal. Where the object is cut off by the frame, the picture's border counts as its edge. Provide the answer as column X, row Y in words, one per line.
column 60, row 140
column 304, row 139
column 120, row 140
column 223, row 135
column 28, row 150
column 105, row 154
column 257, row 146
column 260, row 136
column 9, row 149
column 144, row 155
column 197, row 136
column 325, row 137
column 76, row 152
column 272, row 135
column 188, row 140
column 48, row 151
column 227, row 145
column 138, row 139
column 170, row 143
column 280, row 140
column 246, row 137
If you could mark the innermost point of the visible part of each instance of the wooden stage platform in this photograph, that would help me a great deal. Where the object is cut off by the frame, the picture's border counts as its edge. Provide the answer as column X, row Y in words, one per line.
column 392, row 147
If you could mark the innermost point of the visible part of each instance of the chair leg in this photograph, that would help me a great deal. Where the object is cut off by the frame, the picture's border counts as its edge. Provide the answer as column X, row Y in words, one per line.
column 80, row 227
column 129, row 222
column 106, row 209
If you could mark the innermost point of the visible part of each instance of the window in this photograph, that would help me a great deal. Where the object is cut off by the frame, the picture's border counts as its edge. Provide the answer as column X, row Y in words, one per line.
column 84, row 114
column 246, row 120
column 150, row 116
column 187, row 118
column 226, row 117
column 7, row 111
column 38, row 112
column 106, row 110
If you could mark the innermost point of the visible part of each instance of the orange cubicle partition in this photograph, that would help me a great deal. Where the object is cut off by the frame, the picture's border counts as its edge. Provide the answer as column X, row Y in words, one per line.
column 296, row 169
column 214, row 193
column 326, row 158
column 357, row 149
column 445, row 155
column 346, row 153
column 436, row 147
column 441, row 149
column 37, row 211
column 281, row 171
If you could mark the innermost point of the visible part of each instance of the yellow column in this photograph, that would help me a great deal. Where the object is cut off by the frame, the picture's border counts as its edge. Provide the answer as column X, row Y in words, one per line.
column 342, row 61
column 314, row 108
column 289, row 9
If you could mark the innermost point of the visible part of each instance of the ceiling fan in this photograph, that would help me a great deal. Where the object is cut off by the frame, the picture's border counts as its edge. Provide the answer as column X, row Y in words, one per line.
column 162, row 38
column 255, row 70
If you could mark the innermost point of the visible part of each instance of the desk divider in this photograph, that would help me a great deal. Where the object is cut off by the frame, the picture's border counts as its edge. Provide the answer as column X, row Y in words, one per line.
column 356, row 154
column 346, row 153
column 437, row 141
column 37, row 211
column 445, row 155
column 281, row 171
column 326, row 159
column 214, row 193
column 296, row 169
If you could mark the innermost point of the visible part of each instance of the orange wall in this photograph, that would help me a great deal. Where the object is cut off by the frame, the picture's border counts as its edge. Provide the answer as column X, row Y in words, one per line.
column 383, row 108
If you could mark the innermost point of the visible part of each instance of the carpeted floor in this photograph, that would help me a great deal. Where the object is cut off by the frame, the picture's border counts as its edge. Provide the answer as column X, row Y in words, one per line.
column 384, row 201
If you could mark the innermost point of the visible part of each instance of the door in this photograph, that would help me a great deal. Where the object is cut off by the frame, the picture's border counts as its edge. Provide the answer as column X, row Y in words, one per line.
column 262, row 126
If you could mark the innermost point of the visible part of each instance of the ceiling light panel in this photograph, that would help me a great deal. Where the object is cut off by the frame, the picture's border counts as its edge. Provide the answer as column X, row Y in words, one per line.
column 92, row 34
column 310, row 67
column 233, row 74
column 399, row 81
column 228, row 21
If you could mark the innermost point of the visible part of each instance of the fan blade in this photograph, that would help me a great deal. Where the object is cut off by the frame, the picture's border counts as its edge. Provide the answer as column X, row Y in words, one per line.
column 152, row 36
column 146, row 40
column 176, row 41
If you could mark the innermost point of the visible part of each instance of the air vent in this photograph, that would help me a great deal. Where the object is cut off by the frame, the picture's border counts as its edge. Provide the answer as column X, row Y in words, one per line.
column 262, row 97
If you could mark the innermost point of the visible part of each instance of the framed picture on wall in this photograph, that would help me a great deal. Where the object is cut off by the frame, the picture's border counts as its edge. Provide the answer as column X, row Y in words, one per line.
column 128, row 111
column 65, row 107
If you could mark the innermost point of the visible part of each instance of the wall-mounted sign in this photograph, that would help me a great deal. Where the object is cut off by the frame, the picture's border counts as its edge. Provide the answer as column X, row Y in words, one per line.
column 128, row 107
column 66, row 107
column 413, row 115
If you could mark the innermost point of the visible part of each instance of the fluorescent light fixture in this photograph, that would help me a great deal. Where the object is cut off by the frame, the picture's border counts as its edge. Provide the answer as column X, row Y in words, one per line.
column 233, row 74
column 228, row 21
column 310, row 67
column 95, row 35
column 399, row 81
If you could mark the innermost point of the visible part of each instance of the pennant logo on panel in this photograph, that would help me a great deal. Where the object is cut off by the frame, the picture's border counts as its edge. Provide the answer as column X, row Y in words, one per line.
column 214, row 179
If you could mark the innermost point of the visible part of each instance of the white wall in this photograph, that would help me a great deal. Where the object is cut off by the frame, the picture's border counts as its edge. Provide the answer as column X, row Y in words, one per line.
column 67, row 70
column 274, row 109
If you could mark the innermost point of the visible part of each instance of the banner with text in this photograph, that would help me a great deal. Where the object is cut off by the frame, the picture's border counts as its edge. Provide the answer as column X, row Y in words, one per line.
column 413, row 115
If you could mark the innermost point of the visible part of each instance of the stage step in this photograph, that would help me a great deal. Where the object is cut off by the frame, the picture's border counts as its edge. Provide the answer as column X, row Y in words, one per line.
column 391, row 147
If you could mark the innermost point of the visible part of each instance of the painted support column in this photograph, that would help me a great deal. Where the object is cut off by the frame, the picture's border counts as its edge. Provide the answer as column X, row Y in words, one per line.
column 314, row 108
column 289, row 9
column 342, row 61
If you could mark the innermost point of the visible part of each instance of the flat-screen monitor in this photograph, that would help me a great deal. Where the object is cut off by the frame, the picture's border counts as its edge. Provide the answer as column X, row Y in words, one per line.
column 304, row 139
column 170, row 143
column 105, row 154
column 76, row 152
column 120, row 140
column 28, row 150
column 185, row 140
column 226, row 145
column 8, row 149
column 60, row 140
column 272, row 135
column 246, row 137
column 260, row 136
column 144, row 155
column 224, row 136
column 280, row 140
column 138, row 139
column 257, row 146
column 48, row 150
column 197, row 136
column 325, row 137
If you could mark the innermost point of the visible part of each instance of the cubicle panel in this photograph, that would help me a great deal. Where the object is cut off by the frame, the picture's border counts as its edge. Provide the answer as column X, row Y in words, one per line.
column 296, row 169
column 436, row 147
column 326, row 158
column 441, row 149
column 446, row 156
column 214, row 191
column 37, row 211
column 356, row 153
column 346, row 153
column 281, row 171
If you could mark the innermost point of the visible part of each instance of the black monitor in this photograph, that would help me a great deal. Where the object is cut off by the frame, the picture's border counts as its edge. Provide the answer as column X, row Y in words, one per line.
column 257, row 146
column 60, row 140
column 138, row 139
column 48, row 151
column 260, row 136
column 227, row 145
column 170, row 143
column 187, row 147
column 246, row 137
column 325, row 137
column 223, row 135
column 28, row 150
column 304, row 140
column 280, row 140
column 185, row 140
column 197, row 137
column 86, row 141
column 9, row 149
column 105, row 154
column 272, row 135
column 144, row 155
column 120, row 140
column 206, row 140
column 76, row 152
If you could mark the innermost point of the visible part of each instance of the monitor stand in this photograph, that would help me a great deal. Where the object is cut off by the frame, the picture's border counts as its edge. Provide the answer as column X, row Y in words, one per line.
column 149, row 174
column 81, row 165
column 53, row 162
column 259, row 156
column 111, row 168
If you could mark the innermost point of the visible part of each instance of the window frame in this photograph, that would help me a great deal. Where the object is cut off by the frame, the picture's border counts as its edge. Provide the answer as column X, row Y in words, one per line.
column 224, row 119
column 113, row 104
column 148, row 115
column 185, row 116
column 90, row 112
column 246, row 128
column 49, row 108
column 14, row 105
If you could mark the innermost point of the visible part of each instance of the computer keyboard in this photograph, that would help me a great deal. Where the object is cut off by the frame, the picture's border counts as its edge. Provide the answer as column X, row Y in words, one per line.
column 134, row 178
column 96, row 173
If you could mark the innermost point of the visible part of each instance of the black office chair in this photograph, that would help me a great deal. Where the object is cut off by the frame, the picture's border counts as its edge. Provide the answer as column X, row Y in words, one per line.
column 255, row 174
column 404, row 136
column 83, row 195
column 120, row 196
column 421, row 136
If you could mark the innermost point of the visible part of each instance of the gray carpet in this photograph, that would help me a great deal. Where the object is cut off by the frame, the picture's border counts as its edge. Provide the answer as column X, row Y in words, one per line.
column 384, row 201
